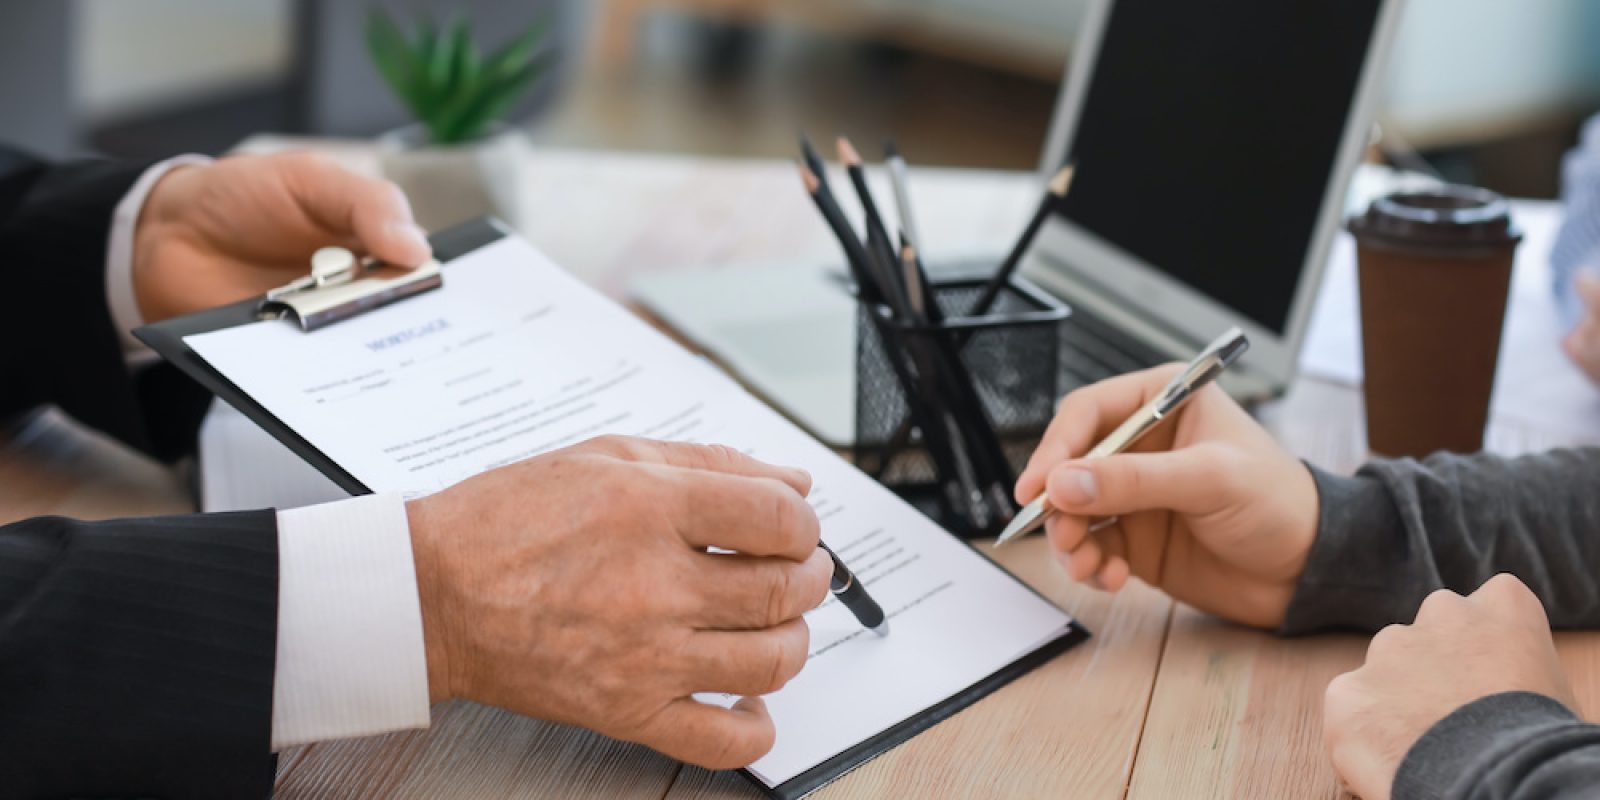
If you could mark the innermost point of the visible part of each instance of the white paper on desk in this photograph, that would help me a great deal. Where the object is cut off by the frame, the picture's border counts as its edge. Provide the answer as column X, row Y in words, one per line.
column 514, row 358
column 1535, row 383
column 243, row 468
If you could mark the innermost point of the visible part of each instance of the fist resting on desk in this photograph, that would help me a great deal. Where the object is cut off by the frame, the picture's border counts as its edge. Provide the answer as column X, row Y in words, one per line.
column 576, row 587
column 1459, row 649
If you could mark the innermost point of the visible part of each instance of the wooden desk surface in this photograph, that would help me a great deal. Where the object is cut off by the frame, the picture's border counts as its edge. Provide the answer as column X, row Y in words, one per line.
column 1162, row 701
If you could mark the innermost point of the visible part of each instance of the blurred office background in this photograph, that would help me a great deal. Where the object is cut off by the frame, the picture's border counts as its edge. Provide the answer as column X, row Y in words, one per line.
column 1486, row 91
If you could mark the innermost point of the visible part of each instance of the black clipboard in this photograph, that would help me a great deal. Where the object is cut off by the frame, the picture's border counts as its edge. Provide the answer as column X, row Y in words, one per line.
column 166, row 338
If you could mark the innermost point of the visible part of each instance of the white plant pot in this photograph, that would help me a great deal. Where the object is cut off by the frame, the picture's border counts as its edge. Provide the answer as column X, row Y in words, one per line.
column 454, row 183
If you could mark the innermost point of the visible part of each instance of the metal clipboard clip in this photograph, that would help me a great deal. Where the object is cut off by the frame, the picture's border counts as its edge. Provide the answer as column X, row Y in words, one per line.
column 341, row 286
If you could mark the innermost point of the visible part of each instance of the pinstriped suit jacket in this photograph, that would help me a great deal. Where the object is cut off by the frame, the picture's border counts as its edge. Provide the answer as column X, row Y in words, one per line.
column 136, row 656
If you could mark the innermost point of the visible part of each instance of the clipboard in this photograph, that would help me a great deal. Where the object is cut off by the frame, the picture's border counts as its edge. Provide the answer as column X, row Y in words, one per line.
column 167, row 339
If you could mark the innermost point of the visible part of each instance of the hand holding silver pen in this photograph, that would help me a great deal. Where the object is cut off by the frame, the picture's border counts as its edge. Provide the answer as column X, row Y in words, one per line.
column 1204, row 369
column 1213, row 510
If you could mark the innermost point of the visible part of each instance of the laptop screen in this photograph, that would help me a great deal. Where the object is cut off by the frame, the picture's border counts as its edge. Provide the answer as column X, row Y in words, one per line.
column 1208, row 135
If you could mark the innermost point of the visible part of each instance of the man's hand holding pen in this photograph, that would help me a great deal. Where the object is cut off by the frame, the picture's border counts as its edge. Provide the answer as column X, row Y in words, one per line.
column 576, row 587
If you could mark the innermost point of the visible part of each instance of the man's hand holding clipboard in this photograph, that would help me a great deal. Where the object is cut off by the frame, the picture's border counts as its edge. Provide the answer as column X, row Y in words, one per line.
column 210, row 234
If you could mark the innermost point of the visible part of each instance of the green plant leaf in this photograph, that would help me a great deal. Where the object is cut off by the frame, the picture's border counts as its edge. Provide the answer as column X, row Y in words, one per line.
column 425, row 44
column 440, row 74
column 391, row 54
column 425, row 39
column 464, row 63
column 442, row 56
column 455, row 119
column 456, row 124
column 506, row 76
column 514, row 56
column 493, row 100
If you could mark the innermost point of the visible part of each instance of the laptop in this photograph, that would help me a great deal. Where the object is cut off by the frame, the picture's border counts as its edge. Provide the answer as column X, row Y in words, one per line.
column 1212, row 144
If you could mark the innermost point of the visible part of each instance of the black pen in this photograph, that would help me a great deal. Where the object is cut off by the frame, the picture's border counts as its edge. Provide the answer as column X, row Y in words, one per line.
column 853, row 595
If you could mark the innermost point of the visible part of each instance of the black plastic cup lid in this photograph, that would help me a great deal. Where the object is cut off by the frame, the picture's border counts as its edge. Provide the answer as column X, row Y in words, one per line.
column 1444, row 216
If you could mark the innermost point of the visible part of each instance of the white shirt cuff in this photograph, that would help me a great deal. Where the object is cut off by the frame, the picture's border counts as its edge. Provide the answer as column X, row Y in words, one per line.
column 119, row 254
column 350, row 656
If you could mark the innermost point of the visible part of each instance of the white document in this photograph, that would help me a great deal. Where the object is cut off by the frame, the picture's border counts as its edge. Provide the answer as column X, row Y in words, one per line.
column 243, row 468
column 514, row 358
column 1535, row 383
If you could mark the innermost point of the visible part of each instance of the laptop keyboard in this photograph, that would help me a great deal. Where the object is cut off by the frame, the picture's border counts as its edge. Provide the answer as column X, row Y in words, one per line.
column 1093, row 350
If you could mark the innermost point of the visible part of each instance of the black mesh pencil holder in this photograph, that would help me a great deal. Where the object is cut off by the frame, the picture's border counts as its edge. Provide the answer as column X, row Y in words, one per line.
column 1009, row 354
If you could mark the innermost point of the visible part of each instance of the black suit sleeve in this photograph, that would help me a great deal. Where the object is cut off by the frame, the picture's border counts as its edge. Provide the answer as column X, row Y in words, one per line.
column 57, row 342
column 136, row 656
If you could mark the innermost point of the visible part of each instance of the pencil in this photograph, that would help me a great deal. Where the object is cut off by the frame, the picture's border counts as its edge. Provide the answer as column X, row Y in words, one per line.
column 965, row 464
column 951, row 466
column 888, row 269
column 997, row 284
column 915, row 286
column 855, row 255
column 900, row 182
column 930, row 310
column 940, row 433
column 960, row 489
column 980, row 439
column 813, row 159
column 877, row 234
column 917, row 274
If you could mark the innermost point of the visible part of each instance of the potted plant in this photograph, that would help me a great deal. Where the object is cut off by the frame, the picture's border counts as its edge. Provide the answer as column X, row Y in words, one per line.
column 460, row 160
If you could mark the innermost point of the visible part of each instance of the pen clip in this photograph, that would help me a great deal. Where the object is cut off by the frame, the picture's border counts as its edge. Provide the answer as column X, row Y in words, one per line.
column 1222, row 352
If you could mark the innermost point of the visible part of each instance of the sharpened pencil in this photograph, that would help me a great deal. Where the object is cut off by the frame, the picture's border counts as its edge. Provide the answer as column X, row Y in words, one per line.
column 878, row 241
column 974, row 476
column 813, row 159
column 916, row 272
column 867, row 284
column 991, row 471
column 997, row 284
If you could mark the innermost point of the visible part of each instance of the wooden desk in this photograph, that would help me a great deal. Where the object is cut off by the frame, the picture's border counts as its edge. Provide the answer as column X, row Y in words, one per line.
column 1161, row 702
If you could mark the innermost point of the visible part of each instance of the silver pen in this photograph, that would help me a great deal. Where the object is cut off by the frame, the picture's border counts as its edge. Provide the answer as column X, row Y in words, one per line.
column 1201, row 371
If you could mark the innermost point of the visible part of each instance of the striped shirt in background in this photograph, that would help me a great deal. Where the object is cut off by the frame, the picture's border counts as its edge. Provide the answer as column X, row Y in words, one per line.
column 1577, row 245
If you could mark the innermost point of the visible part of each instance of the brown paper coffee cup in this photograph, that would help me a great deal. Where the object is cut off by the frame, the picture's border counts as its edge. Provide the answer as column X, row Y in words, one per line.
column 1435, row 268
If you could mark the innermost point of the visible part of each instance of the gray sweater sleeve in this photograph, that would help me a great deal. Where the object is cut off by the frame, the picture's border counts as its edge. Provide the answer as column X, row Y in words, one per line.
column 1509, row 746
column 1401, row 529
